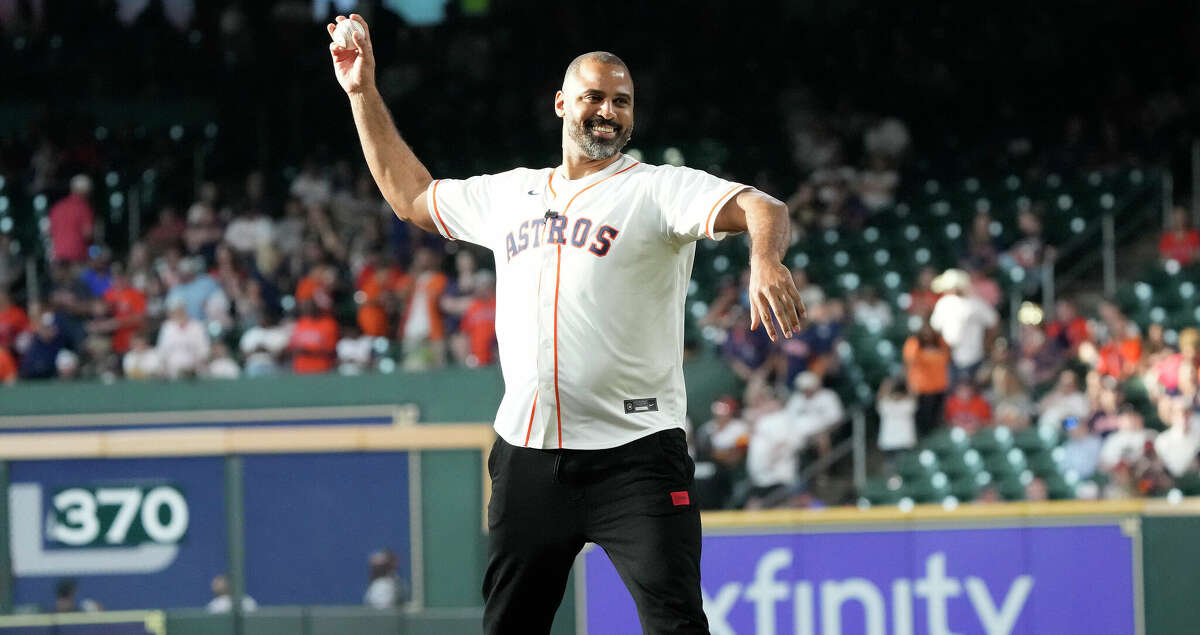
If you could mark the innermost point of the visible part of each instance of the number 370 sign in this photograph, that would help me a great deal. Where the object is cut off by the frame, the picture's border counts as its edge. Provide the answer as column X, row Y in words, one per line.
column 111, row 516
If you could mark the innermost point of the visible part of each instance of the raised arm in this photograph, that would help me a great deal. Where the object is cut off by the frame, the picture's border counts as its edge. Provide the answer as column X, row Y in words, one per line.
column 401, row 177
column 772, row 289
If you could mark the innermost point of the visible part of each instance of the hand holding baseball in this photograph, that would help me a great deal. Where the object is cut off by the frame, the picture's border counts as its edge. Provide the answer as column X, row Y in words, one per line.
column 353, row 57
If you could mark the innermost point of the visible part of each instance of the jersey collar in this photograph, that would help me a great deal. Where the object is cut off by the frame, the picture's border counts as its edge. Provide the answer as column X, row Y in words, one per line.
column 560, row 175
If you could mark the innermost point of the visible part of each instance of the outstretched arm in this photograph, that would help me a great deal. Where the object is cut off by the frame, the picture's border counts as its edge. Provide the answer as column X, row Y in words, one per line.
column 401, row 177
column 772, row 289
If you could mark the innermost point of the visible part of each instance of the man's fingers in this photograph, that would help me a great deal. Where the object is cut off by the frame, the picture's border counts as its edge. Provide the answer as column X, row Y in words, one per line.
column 331, row 28
column 780, row 315
column 764, row 315
column 359, row 19
column 753, row 315
column 339, row 18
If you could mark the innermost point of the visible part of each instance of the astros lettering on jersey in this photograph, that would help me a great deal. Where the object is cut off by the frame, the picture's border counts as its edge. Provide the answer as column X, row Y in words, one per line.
column 591, row 278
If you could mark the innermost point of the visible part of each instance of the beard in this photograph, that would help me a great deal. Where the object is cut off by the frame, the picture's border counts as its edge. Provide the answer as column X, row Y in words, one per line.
column 595, row 147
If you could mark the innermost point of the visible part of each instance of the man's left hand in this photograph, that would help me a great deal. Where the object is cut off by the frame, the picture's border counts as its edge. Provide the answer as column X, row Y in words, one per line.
column 773, row 291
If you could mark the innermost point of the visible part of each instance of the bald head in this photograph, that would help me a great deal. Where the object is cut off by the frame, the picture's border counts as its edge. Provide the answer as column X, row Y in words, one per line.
column 598, row 57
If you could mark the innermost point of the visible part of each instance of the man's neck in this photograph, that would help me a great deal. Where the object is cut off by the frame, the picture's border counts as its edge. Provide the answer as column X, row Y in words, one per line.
column 579, row 165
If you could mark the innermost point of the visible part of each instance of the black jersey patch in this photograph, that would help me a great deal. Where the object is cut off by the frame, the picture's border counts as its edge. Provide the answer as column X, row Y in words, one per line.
column 641, row 405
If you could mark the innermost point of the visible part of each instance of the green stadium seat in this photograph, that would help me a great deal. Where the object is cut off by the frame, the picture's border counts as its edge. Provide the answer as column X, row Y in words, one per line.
column 947, row 441
column 916, row 465
column 1002, row 464
column 962, row 464
column 1046, row 463
column 992, row 440
column 1036, row 439
column 884, row 491
column 931, row 489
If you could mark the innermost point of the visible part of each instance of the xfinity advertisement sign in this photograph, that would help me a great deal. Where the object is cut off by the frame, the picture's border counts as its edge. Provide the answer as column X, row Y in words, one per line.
column 1077, row 579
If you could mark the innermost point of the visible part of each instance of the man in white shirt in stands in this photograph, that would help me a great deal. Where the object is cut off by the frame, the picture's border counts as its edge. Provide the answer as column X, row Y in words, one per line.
column 593, row 260
column 963, row 320
column 816, row 410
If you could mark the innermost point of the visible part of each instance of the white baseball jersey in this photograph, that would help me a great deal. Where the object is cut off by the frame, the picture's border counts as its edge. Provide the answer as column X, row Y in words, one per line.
column 591, row 277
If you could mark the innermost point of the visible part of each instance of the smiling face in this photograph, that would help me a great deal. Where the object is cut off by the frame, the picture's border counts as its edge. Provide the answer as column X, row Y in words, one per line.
column 596, row 106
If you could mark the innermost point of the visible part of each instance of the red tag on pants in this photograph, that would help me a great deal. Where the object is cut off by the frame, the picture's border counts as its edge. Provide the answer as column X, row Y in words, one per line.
column 680, row 498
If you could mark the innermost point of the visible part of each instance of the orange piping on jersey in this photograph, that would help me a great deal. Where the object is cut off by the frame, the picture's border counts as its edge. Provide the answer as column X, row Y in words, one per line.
column 439, row 214
column 550, row 184
column 531, row 411
column 557, row 399
column 708, row 220
column 557, row 271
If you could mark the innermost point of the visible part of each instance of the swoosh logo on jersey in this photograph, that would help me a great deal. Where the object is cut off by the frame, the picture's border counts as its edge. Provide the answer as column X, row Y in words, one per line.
column 532, row 193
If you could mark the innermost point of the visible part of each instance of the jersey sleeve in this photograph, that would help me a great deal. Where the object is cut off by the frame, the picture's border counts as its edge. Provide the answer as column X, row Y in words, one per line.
column 690, row 199
column 460, row 208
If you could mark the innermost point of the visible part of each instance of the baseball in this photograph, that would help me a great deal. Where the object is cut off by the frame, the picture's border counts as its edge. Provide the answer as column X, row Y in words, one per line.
column 344, row 33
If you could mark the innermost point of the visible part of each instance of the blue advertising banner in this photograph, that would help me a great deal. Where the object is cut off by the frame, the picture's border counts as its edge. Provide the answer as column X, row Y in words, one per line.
column 313, row 519
column 133, row 533
column 995, row 581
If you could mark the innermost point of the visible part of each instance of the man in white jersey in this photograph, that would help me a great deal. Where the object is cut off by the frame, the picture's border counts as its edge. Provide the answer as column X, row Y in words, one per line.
column 593, row 260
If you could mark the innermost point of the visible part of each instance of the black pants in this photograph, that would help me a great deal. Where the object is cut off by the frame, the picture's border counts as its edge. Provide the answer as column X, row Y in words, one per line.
column 930, row 412
column 636, row 501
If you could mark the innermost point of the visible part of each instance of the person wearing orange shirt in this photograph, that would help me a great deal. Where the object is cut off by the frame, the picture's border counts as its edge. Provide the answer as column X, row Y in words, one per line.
column 422, row 329
column 13, row 320
column 967, row 409
column 927, row 368
column 478, row 326
column 8, row 367
column 1180, row 242
column 377, row 284
column 314, row 341
column 127, row 310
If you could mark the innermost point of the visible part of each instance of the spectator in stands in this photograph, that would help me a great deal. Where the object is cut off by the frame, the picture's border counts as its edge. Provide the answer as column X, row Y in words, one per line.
column 183, row 342
column 311, row 186
column 814, row 349
column 263, row 346
column 871, row 311
column 721, row 445
column 1036, row 490
column 222, row 602
column 314, row 340
column 8, row 367
column 72, row 222
column 877, row 184
column 1121, row 346
column 460, row 289
column 897, row 409
column 1165, row 376
column 422, row 329
column 96, row 277
column 1081, row 451
column 13, row 320
column 923, row 298
column 1180, row 242
column 39, row 355
column 815, row 410
column 167, row 232
column 1063, row 402
column 477, row 331
column 772, row 455
column 1068, row 329
column 125, row 312
column 964, row 321
column 1179, row 444
column 984, row 286
column 385, row 588
column 1009, row 400
column 142, row 361
column 222, row 365
column 12, row 265
column 354, row 352
column 966, row 408
column 250, row 231
column 195, row 289
column 203, row 230
column 982, row 250
column 1127, row 446
column 927, row 369
column 745, row 351
column 66, row 363
column 1029, row 252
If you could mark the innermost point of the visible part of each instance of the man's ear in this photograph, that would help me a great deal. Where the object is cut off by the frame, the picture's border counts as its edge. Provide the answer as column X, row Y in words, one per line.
column 560, row 107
